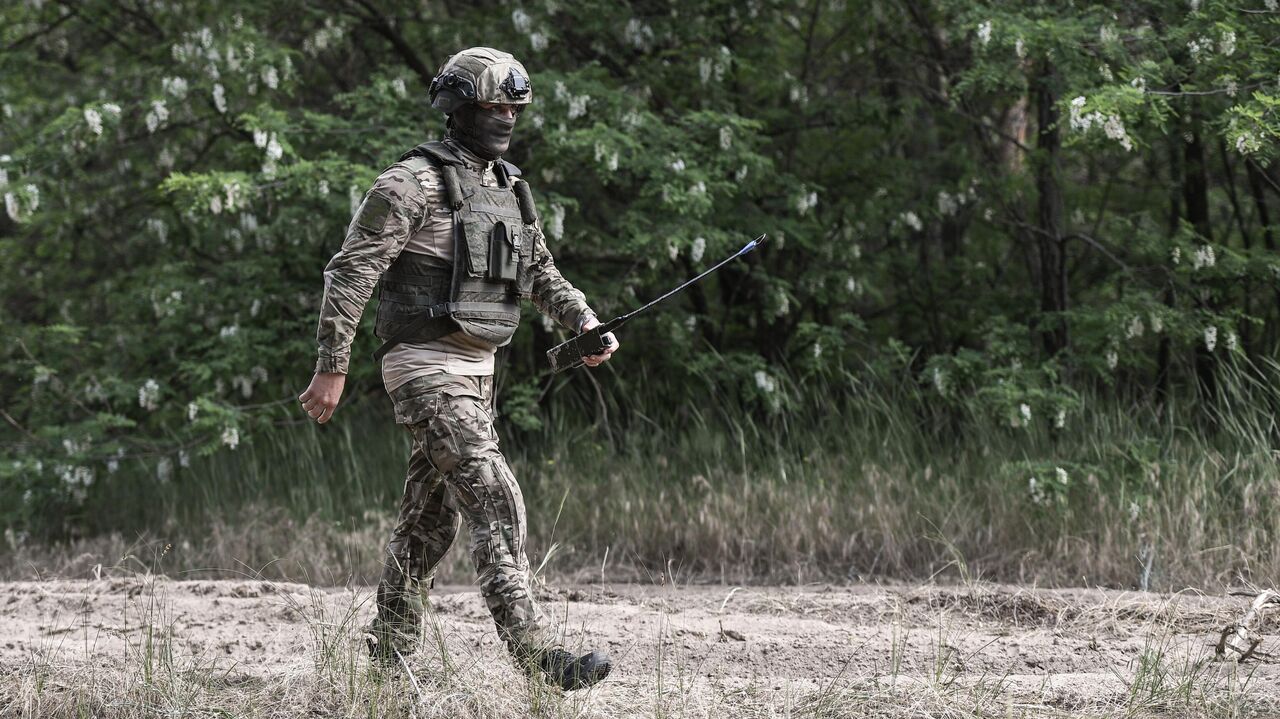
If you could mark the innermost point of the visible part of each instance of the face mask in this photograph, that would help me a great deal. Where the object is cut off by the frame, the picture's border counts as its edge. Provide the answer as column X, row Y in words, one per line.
column 482, row 131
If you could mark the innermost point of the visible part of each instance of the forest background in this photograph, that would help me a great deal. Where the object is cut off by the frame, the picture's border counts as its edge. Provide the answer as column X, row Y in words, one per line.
column 1017, row 318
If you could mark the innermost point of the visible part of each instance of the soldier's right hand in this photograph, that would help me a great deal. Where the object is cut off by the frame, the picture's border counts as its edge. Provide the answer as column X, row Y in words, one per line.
column 321, row 396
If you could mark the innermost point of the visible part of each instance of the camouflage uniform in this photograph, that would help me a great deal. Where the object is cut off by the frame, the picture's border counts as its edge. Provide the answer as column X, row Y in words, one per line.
column 456, row 469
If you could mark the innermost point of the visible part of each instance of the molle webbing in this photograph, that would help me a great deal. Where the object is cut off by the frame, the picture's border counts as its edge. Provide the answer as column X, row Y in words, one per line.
column 423, row 297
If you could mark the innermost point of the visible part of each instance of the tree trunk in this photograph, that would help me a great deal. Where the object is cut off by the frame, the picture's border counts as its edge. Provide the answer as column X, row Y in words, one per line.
column 1053, row 277
column 1195, row 195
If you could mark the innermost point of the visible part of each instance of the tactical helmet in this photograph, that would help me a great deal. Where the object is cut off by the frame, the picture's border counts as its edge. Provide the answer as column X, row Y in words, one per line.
column 480, row 74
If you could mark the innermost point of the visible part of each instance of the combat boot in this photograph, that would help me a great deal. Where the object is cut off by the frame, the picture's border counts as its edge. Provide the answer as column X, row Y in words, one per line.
column 569, row 672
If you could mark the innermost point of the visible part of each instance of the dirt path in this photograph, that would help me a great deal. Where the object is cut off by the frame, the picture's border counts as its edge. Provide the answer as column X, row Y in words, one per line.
column 140, row 647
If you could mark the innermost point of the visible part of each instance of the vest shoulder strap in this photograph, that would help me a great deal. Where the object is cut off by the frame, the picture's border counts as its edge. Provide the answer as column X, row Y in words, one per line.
column 435, row 150
column 421, row 159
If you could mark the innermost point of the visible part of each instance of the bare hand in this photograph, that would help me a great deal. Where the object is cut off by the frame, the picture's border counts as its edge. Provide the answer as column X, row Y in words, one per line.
column 611, row 345
column 321, row 397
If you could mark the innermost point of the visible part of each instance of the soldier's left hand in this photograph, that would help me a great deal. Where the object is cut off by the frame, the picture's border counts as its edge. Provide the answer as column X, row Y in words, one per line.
column 597, row 360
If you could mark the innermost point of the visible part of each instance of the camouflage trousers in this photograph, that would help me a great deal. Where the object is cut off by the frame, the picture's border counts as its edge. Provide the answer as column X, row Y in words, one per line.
column 457, row 474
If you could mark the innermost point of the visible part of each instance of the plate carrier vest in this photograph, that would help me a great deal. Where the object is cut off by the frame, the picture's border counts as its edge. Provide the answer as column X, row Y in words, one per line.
column 423, row 298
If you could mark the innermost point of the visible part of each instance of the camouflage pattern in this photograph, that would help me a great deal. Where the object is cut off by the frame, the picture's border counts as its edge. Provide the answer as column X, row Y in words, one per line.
column 457, row 474
column 491, row 71
column 415, row 210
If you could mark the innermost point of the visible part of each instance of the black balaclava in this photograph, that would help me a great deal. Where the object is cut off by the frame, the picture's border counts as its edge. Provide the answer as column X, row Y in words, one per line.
column 481, row 131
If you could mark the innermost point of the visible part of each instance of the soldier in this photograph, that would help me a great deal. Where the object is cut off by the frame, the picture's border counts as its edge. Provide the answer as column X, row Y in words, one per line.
column 452, row 233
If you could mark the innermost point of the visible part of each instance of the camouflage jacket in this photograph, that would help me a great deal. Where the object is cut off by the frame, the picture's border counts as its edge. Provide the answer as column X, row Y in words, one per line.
column 417, row 217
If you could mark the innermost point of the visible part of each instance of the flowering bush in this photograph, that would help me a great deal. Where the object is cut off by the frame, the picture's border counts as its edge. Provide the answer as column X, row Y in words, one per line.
column 1053, row 196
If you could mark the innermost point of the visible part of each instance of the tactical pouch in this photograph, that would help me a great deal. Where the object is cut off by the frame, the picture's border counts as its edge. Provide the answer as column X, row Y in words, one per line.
column 504, row 252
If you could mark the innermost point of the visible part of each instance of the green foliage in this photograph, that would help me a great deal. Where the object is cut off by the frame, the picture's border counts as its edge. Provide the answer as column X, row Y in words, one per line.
column 1011, row 203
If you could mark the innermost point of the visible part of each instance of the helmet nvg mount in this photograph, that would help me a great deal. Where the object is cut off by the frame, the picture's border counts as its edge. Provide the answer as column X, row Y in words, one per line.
column 480, row 74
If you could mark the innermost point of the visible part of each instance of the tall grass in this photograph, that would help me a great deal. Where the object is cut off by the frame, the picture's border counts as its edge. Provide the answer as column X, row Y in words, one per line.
column 842, row 475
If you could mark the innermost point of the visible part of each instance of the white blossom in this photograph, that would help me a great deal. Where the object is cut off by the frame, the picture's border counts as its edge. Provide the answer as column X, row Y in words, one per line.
column 1199, row 46
column 1135, row 328
column 1157, row 323
column 166, row 158
column 11, row 207
column 193, row 410
column 1272, row 5
column 274, row 150
column 149, row 395
column 912, row 220
column 215, row 204
column 638, row 34
column 764, row 382
column 522, row 21
column 1107, row 34
column 1176, row 255
column 805, row 202
column 984, row 32
column 1140, row 83
column 260, row 138
column 699, row 247
column 33, row 197
column 220, row 98
column 184, row 458
column 673, row 251
column 1227, row 43
column 164, row 469
column 398, row 87
column 93, row 119
column 538, row 41
column 322, row 188
column 1203, row 257
column 175, row 86
column 270, row 77
column 1113, row 359
column 578, row 106
column 157, row 115
column 678, row 165
column 1037, row 493
column 1210, row 337
column 1024, row 409
column 726, row 137
column 1233, row 341
column 1247, row 143
column 1063, row 478
column 555, row 223
column 113, row 465
column 948, row 204
column 1060, row 420
column 1232, row 88
column 229, row 331
column 231, row 437
column 939, row 380
column 1133, row 511
column 1020, row 49
column 817, row 350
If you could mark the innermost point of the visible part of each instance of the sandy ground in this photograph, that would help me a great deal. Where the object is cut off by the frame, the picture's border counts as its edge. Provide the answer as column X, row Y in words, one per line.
column 906, row 650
